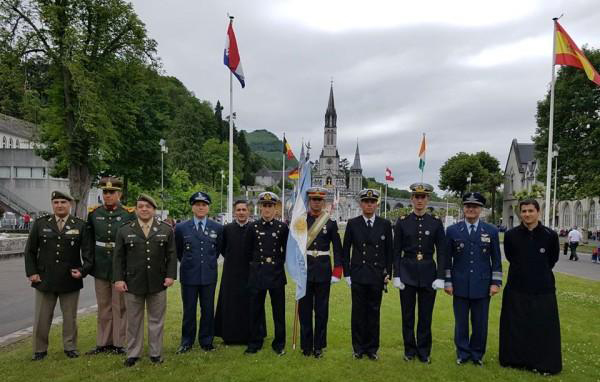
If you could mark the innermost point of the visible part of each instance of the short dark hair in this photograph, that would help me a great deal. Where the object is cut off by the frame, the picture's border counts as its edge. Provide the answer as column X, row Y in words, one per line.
column 241, row 201
column 529, row 202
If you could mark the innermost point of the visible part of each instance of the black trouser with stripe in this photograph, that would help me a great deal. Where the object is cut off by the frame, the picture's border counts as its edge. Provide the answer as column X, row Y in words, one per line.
column 409, row 298
column 317, row 300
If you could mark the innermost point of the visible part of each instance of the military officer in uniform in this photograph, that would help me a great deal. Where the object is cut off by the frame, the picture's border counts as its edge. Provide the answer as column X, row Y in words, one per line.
column 57, row 258
column 265, row 243
column 322, row 235
column 416, row 238
column 199, row 242
column 103, row 224
column 144, row 265
column 473, row 275
column 367, row 257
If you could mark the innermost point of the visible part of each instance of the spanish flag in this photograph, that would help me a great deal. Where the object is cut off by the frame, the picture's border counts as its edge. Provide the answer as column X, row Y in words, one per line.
column 567, row 53
column 287, row 149
column 294, row 174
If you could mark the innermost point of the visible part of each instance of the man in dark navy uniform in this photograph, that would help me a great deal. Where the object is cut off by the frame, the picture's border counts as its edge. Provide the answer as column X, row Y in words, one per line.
column 199, row 242
column 416, row 238
column 367, row 257
column 322, row 235
column 473, row 275
column 265, row 243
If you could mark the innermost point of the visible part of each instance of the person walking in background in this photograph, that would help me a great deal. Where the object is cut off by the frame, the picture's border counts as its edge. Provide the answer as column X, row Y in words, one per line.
column 574, row 237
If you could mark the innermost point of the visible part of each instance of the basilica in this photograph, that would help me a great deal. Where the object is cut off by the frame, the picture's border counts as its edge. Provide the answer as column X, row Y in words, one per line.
column 327, row 172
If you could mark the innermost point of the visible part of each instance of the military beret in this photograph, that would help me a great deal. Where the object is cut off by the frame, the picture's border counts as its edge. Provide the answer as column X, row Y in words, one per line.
column 111, row 183
column 421, row 188
column 316, row 193
column 368, row 194
column 267, row 197
column 473, row 198
column 61, row 195
column 147, row 198
column 199, row 197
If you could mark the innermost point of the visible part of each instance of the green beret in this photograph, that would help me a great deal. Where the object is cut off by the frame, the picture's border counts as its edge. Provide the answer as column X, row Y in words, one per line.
column 61, row 195
column 147, row 198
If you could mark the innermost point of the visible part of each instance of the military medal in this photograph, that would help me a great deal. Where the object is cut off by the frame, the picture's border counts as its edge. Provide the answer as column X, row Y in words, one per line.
column 67, row 227
column 154, row 229
column 118, row 218
column 72, row 243
column 213, row 235
column 426, row 232
column 419, row 257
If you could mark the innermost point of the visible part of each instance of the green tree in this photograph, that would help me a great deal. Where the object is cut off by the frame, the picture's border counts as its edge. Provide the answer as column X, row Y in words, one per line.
column 576, row 131
column 493, row 178
column 455, row 171
column 78, row 41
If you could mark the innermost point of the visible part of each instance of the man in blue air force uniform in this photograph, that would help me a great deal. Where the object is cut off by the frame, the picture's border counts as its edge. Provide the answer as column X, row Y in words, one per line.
column 199, row 243
column 473, row 275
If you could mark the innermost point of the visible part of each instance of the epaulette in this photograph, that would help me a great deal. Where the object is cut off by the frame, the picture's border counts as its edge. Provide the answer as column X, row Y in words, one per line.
column 436, row 217
column 93, row 208
column 129, row 209
column 402, row 217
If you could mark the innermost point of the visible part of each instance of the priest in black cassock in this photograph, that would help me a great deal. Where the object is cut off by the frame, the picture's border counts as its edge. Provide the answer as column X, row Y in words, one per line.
column 232, row 316
column 529, row 323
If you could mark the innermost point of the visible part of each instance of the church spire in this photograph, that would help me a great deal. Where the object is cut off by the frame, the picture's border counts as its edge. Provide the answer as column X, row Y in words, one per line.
column 330, row 114
column 356, row 165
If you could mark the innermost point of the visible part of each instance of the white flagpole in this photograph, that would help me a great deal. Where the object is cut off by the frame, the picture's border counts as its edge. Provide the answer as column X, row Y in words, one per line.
column 550, row 129
column 230, row 186
column 385, row 202
column 283, row 183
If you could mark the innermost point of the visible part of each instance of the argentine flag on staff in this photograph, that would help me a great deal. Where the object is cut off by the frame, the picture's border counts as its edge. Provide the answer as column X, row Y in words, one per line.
column 231, row 56
column 295, row 254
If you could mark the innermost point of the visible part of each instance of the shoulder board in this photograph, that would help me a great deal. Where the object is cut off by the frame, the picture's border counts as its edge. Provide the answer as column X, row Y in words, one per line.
column 402, row 217
column 162, row 222
column 129, row 209
column 94, row 208
column 75, row 219
column 436, row 217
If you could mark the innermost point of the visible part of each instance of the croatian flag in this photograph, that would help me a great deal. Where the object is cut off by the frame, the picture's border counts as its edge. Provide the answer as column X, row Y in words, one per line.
column 231, row 55
column 295, row 253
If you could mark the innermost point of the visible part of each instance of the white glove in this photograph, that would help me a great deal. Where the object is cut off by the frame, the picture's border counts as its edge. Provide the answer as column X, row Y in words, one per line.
column 398, row 284
column 438, row 284
column 334, row 280
column 348, row 281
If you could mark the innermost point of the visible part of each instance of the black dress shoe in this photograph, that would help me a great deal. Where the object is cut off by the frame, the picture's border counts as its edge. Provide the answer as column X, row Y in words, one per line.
column 426, row 360
column 250, row 351
column 39, row 356
column 72, row 353
column 478, row 362
column 408, row 357
column 156, row 360
column 183, row 349
column 357, row 355
column 97, row 350
column 279, row 352
column 318, row 353
column 306, row 353
column 372, row 356
column 461, row 361
column 130, row 361
column 209, row 347
column 118, row 350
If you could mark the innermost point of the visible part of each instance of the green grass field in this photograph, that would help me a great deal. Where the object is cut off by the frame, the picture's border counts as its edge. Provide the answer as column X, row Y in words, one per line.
column 579, row 303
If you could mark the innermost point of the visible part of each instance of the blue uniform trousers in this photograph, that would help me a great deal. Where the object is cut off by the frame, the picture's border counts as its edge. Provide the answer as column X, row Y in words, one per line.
column 473, row 347
column 190, row 294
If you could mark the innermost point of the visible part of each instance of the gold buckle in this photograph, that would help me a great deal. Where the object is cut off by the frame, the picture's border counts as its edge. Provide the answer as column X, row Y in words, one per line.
column 419, row 257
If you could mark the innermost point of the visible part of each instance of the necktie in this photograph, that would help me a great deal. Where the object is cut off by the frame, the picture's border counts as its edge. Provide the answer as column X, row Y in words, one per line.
column 369, row 224
column 146, row 229
column 200, row 226
column 61, row 224
column 472, row 228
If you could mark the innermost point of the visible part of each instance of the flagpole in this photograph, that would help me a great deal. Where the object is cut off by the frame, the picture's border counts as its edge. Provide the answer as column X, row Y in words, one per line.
column 283, row 183
column 385, row 202
column 550, row 128
column 424, row 158
column 230, row 186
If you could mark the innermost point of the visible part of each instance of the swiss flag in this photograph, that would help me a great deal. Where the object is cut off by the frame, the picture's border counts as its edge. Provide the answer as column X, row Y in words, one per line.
column 388, row 175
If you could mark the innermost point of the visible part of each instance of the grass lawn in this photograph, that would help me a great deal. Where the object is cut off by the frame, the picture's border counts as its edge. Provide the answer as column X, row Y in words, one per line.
column 579, row 303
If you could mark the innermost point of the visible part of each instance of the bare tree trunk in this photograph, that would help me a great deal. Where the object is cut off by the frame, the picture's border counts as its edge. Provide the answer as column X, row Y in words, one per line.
column 79, row 186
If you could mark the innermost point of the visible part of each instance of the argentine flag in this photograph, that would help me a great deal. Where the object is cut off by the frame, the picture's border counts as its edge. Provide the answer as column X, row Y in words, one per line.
column 295, row 253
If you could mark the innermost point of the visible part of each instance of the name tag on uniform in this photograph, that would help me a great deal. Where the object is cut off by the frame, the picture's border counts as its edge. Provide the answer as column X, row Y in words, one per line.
column 131, row 235
column 72, row 232
column 99, row 217
column 46, row 230
column 261, row 233
column 160, row 235
column 485, row 238
column 213, row 235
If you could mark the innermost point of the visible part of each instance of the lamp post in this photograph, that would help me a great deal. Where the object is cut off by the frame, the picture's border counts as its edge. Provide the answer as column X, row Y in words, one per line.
column 555, row 156
column 163, row 149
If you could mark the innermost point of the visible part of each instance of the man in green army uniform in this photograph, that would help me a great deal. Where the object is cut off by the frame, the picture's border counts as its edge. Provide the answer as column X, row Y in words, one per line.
column 57, row 258
column 103, row 224
column 144, row 266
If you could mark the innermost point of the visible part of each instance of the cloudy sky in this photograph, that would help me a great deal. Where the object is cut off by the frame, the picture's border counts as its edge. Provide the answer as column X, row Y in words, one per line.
column 468, row 73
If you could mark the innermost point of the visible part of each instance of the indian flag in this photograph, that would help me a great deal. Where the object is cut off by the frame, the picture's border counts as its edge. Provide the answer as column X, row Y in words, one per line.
column 422, row 154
